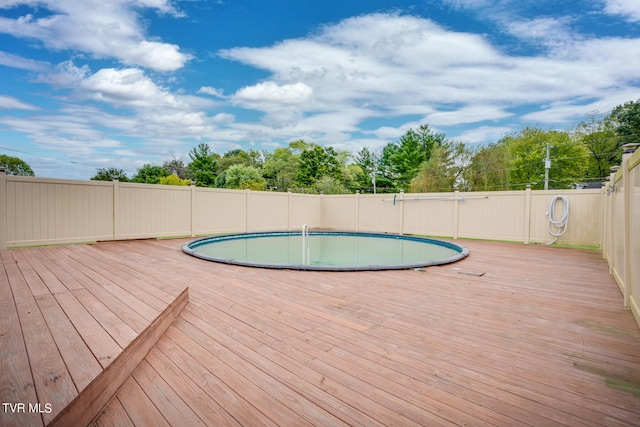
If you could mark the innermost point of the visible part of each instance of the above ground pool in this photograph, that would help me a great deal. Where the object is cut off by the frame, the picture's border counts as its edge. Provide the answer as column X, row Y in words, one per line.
column 324, row 250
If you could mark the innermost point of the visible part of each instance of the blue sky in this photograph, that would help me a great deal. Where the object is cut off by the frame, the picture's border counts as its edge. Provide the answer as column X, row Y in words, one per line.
column 87, row 84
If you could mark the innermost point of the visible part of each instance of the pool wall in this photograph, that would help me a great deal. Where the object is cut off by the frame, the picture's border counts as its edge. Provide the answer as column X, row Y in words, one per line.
column 191, row 248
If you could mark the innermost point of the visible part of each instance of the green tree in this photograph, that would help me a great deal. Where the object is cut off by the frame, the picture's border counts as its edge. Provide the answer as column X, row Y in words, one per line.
column 442, row 171
column 367, row 160
column 316, row 162
column 527, row 150
column 626, row 121
column 257, row 158
column 401, row 160
column 15, row 166
column 203, row 167
column 386, row 179
column 176, row 165
column 329, row 185
column 351, row 177
column 242, row 176
column 280, row 169
column 233, row 157
column 599, row 137
column 298, row 146
column 174, row 179
column 150, row 174
column 488, row 169
column 109, row 174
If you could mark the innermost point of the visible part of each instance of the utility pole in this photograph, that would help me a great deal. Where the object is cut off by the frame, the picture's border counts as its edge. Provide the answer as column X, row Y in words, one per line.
column 547, row 166
column 373, row 179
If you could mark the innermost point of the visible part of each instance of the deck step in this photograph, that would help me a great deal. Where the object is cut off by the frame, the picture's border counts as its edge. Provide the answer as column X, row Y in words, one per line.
column 92, row 400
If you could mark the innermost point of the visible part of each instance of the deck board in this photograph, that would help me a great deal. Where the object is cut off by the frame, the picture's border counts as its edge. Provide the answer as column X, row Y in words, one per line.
column 511, row 335
column 139, row 408
column 92, row 331
column 16, row 381
column 53, row 383
column 505, row 346
column 114, row 415
column 69, row 342
column 62, row 323
column 191, row 391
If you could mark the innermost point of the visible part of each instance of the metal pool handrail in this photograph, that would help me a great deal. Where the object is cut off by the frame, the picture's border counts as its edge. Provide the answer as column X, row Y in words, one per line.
column 305, row 245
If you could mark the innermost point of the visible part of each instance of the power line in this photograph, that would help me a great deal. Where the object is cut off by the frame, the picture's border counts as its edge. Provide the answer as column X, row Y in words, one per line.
column 42, row 156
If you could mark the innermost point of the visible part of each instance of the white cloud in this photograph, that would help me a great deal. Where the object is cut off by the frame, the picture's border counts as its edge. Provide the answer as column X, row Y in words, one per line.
column 104, row 29
column 83, row 130
column 376, row 65
column 223, row 118
column 561, row 112
column 553, row 33
column 126, row 87
column 469, row 4
column 11, row 103
column 629, row 9
column 467, row 114
column 331, row 87
column 15, row 61
column 272, row 93
column 218, row 93
column 123, row 88
column 483, row 133
column 64, row 75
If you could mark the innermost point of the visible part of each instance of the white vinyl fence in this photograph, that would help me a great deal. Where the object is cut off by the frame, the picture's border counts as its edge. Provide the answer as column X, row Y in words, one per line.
column 621, row 242
column 38, row 211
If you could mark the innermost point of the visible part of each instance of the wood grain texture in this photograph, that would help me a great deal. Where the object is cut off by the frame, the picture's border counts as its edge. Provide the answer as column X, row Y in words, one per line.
column 93, row 398
column 541, row 338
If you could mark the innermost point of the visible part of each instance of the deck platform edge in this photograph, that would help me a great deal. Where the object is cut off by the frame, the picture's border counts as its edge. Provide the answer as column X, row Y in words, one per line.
column 91, row 401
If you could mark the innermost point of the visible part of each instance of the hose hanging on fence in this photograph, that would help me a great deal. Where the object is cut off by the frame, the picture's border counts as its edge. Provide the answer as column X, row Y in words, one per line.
column 559, row 224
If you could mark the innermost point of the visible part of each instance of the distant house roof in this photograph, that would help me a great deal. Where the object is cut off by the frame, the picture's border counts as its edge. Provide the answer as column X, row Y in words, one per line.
column 588, row 185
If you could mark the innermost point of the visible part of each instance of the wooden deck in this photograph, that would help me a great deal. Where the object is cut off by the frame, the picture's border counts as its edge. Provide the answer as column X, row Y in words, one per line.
column 512, row 335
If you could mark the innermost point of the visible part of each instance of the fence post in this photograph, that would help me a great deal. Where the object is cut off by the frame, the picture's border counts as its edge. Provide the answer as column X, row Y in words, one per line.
column 3, row 208
column 289, row 210
column 322, row 211
column 612, row 201
column 193, row 208
column 357, row 210
column 605, row 219
column 401, row 199
column 527, row 215
column 246, row 209
column 456, row 213
column 116, row 209
column 627, row 195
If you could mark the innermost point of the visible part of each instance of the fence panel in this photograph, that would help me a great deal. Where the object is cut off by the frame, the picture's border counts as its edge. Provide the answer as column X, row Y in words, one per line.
column 267, row 211
column 377, row 212
column 585, row 217
column 147, row 210
column 305, row 209
column 339, row 212
column 47, row 211
column 219, row 211
column 431, row 214
column 493, row 215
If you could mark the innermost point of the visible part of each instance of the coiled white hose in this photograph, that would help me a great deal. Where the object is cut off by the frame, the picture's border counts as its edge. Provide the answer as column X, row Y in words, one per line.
column 561, row 223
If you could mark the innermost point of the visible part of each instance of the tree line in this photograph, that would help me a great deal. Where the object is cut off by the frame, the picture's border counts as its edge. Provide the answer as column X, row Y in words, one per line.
column 421, row 160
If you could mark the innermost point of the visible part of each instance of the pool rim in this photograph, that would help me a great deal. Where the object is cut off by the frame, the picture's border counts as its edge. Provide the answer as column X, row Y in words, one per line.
column 189, row 249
